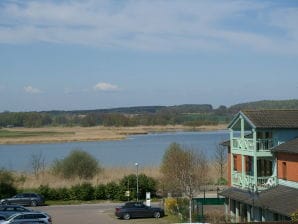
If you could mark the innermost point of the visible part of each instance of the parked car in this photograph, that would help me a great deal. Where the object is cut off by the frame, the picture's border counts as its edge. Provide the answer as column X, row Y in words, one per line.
column 26, row 199
column 8, row 210
column 138, row 210
column 28, row 217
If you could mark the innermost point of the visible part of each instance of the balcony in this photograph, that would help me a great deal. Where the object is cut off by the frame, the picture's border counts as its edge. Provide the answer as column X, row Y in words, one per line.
column 246, row 181
column 247, row 144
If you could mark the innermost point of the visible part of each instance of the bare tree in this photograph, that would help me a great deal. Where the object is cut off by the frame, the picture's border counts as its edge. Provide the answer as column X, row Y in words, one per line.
column 220, row 157
column 38, row 163
column 183, row 171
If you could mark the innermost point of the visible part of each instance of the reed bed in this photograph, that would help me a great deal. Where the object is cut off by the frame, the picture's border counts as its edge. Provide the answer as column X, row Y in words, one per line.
column 109, row 174
column 97, row 133
column 30, row 181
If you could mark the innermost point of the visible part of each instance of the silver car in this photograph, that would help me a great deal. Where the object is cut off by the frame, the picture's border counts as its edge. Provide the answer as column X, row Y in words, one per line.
column 28, row 217
column 8, row 210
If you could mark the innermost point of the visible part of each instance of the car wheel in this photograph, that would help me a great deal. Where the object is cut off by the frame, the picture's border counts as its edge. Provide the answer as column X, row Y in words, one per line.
column 156, row 215
column 5, row 203
column 126, row 216
column 33, row 203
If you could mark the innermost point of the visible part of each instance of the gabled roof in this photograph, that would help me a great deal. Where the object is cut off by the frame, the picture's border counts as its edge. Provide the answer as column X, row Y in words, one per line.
column 288, row 147
column 280, row 199
column 270, row 118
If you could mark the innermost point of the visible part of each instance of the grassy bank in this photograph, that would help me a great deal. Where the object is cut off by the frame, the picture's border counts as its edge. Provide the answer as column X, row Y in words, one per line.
column 98, row 133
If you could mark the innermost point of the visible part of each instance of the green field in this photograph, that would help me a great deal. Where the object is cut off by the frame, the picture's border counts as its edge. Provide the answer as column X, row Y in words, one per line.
column 18, row 134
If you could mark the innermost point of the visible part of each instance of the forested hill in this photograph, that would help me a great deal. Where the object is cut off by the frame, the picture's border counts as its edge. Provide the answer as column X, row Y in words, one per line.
column 188, row 114
column 266, row 105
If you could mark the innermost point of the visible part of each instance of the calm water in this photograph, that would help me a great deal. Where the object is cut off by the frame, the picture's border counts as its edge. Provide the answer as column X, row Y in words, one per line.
column 147, row 150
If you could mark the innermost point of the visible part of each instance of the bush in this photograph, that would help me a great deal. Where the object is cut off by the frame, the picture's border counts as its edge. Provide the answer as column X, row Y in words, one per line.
column 45, row 191
column 222, row 181
column 100, row 192
column 171, row 206
column 77, row 164
column 86, row 192
column 178, row 207
column 113, row 191
column 82, row 192
column 146, row 184
column 294, row 216
column 63, row 194
column 7, row 188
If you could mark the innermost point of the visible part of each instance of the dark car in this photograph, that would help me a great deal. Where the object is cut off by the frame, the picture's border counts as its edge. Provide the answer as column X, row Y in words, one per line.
column 138, row 210
column 26, row 199
column 8, row 210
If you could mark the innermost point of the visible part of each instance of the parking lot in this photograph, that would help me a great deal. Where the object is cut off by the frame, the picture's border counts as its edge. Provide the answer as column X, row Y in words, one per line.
column 91, row 214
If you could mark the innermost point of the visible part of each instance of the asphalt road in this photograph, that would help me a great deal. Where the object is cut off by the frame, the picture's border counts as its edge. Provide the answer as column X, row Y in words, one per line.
column 91, row 214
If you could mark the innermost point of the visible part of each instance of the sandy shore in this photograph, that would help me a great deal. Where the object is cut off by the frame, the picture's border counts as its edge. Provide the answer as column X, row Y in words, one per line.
column 98, row 133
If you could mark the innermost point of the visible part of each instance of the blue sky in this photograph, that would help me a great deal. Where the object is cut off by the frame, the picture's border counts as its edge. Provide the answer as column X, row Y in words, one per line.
column 92, row 54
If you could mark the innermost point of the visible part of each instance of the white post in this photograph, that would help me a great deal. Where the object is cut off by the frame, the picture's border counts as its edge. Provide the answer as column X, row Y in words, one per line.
column 190, row 219
column 137, row 165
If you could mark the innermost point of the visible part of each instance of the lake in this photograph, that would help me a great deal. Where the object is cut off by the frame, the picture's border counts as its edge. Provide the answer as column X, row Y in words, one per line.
column 147, row 150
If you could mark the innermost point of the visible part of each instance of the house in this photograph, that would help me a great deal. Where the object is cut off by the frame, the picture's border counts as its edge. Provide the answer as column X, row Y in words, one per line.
column 262, row 166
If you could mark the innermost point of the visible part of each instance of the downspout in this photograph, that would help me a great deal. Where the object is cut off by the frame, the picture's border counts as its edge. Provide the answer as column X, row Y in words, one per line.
column 255, row 171
column 242, row 156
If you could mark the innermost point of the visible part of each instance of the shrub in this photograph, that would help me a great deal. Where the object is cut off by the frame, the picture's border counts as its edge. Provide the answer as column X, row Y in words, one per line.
column 294, row 216
column 45, row 191
column 63, row 194
column 7, row 188
column 86, row 192
column 146, row 184
column 222, row 181
column 171, row 206
column 100, row 192
column 82, row 192
column 77, row 164
column 178, row 207
column 113, row 191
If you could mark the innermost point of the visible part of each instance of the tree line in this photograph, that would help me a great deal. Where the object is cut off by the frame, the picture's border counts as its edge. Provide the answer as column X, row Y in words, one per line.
column 188, row 114
column 164, row 116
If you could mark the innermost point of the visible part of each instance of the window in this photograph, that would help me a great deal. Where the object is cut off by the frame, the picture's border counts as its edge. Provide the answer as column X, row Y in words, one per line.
column 248, row 165
column 284, row 170
column 40, row 216
column 235, row 162
column 20, row 209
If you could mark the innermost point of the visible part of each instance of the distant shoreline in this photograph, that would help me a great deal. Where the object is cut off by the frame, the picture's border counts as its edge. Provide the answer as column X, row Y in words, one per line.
column 85, row 134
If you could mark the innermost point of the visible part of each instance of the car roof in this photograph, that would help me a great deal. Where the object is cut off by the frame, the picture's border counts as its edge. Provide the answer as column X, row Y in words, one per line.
column 12, row 206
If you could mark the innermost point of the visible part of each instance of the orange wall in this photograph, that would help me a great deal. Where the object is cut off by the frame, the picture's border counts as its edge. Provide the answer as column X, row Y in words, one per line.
column 292, row 166
column 229, row 169
column 238, row 165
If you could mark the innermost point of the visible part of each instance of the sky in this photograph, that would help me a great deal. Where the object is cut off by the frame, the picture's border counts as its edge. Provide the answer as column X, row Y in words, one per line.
column 95, row 54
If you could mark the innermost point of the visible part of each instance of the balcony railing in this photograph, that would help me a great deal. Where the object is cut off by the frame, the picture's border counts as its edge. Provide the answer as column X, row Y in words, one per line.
column 245, row 181
column 248, row 144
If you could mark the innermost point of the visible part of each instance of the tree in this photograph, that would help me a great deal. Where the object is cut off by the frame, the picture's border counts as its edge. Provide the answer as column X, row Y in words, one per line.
column 183, row 171
column 38, row 163
column 220, row 158
column 146, row 184
column 77, row 164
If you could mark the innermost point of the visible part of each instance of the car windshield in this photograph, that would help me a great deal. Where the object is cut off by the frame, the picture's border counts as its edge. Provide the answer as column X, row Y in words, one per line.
column 12, row 216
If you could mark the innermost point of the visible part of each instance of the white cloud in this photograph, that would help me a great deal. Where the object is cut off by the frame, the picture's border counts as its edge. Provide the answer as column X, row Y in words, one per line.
column 103, row 86
column 31, row 90
column 152, row 25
